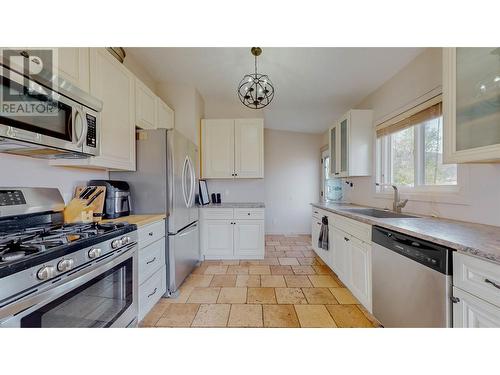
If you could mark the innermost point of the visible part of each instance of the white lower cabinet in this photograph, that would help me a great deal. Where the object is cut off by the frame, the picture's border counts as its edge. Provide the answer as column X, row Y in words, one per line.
column 473, row 312
column 360, row 271
column 340, row 263
column 218, row 238
column 152, row 270
column 232, row 233
column 248, row 238
column 325, row 255
column 349, row 255
column 476, row 292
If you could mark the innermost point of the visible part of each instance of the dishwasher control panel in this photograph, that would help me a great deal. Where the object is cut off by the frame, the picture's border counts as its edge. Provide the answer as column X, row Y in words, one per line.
column 424, row 252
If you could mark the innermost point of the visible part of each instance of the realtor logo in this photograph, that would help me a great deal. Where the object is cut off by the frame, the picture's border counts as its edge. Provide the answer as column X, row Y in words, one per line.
column 21, row 94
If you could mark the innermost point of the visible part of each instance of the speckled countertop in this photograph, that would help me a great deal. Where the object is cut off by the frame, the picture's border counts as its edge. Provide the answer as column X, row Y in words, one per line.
column 235, row 205
column 482, row 241
column 139, row 220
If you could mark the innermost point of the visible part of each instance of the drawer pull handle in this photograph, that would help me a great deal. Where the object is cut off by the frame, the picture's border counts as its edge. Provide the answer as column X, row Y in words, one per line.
column 492, row 283
column 154, row 291
column 151, row 233
column 248, row 214
column 151, row 261
column 346, row 239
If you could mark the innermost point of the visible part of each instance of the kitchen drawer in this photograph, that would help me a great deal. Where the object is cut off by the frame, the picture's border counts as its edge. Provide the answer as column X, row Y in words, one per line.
column 151, row 291
column 217, row 213
column 151, row 233
column 356, row 229
column 477, row 277
column 317, row 213
column 249, row 213
column 151, row 258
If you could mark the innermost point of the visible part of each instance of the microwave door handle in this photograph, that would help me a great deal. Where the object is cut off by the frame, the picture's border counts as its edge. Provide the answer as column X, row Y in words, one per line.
column 83, row 134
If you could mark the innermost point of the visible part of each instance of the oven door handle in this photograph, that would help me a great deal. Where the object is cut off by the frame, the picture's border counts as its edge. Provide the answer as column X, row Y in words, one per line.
column 71, row 282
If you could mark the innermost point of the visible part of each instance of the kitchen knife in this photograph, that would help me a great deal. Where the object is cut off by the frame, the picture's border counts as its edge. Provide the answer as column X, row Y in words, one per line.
column 90, row 192
column 94, row 197
column 83, row 192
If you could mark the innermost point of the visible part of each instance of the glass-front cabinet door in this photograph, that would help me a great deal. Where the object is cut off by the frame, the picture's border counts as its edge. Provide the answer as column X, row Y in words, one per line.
column 343, row 148
column 471, row 103
column 333, row 140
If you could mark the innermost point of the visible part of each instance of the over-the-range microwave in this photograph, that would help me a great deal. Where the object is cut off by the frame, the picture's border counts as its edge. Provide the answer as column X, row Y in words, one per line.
column 45, row 119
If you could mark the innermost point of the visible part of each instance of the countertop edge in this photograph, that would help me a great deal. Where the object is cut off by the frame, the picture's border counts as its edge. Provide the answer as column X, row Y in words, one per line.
column 459, row 247
column 140, row 220
column 242, row 205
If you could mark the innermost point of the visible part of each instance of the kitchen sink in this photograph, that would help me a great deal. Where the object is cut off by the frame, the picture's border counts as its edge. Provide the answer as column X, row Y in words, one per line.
column 373, row 212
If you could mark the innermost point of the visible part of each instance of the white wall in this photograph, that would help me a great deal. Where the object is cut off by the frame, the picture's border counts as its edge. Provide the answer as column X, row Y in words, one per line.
column 23, row 171
column 292, row 176
column 479, row 200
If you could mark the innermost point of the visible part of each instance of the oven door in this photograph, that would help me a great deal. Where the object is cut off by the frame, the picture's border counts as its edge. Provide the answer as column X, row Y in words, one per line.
column 32, row 113
column 104, row 296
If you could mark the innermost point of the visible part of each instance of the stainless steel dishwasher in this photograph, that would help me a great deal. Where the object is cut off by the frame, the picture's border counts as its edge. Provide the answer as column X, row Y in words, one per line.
column 412, row 281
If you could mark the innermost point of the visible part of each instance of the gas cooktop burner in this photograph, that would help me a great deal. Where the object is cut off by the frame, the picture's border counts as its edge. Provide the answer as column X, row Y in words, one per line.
column 18, row 244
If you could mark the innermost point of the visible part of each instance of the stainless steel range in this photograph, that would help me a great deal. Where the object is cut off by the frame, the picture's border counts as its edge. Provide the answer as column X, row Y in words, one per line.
column 57, row 275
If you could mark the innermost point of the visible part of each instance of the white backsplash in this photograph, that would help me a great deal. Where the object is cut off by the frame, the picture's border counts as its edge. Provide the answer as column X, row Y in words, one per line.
column 30, row 172
column 251, row 190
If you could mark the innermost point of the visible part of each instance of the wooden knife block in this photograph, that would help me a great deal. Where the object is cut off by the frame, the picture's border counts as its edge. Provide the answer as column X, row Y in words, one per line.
column 79, row 211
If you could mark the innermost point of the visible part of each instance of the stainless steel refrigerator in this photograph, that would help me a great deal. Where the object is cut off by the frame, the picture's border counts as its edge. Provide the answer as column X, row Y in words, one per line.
column 165, row 181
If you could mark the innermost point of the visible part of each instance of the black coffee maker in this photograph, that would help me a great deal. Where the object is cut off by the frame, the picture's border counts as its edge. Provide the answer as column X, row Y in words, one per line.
column 117, row 202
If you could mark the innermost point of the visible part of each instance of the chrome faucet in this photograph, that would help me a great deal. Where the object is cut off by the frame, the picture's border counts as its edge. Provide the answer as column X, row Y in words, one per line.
column 397, row 204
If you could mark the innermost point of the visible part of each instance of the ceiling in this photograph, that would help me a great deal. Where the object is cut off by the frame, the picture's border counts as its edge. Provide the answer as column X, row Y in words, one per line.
column 313, row 86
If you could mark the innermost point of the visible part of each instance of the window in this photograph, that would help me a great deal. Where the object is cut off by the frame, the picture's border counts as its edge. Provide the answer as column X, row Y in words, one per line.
column 331, row 188
column 410, row 152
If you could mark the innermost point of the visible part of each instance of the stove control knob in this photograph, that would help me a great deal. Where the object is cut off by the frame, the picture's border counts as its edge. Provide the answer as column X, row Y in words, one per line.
column 125, row 240
column 94, row 253
column 116, row 244
column 46, row 272
column 65, row 265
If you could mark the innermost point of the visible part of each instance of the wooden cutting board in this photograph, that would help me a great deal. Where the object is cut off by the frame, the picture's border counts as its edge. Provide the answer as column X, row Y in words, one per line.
column 86, row 208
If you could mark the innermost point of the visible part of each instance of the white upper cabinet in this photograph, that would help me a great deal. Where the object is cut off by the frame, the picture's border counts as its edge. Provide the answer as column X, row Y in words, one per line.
column 249, row 148
column 232, row 148
column 145, row 106
column 74, row 66
column 471, row 105
column 217, row 148
column 351, row 144
column 111, row 82
column 165, row 115
column 114, row 84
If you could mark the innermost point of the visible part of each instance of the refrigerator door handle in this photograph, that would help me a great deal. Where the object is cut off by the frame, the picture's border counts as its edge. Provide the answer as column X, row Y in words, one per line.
column 193, row 182
column 183, row 181
column 191, row 228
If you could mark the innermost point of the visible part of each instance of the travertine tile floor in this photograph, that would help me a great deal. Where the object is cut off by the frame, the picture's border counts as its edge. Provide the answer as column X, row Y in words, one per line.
column 291, row 287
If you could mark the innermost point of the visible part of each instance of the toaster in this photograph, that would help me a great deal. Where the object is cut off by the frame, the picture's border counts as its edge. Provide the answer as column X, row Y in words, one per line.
column 117, row 202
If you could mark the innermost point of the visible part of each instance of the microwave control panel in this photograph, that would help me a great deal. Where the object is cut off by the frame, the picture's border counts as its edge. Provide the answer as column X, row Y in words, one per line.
column 91, row 131
column 11, row 198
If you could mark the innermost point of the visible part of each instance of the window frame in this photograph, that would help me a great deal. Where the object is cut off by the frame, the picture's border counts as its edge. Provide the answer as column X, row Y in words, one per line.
column 383, row 167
